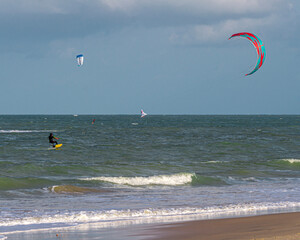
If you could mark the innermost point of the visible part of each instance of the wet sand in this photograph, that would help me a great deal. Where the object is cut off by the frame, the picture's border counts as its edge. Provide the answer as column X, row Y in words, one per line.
column 285, row 226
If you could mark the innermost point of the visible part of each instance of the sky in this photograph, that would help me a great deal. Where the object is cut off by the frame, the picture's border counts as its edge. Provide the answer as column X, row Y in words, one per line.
column 165, row 56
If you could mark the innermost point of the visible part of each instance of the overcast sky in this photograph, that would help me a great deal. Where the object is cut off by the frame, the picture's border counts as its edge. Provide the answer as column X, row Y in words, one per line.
column 165, row 56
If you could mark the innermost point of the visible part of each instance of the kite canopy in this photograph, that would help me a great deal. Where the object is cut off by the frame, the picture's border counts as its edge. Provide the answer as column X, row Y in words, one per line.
column 79, row 59
column 259, row 46
column 143, row 114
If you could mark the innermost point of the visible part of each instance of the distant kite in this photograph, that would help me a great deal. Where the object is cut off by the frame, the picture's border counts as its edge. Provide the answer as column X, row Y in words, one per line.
column 79, row 59
column 143, row 114
column 259, row 46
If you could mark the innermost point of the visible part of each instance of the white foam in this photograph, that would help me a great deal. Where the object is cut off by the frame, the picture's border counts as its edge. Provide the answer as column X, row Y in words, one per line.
column 52, row 189
column 170, row 180
column 150, row 215
column 25, row 131
column 292, row 160
column 215, row 162
column 253, row 179
column 2, row 237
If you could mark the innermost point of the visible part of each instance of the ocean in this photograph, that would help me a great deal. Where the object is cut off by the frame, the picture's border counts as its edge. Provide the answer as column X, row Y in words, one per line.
column 124, row 170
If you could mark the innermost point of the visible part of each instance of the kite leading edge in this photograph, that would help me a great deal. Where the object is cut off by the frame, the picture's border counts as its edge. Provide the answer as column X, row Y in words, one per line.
column 259, row 46
column 79, row 59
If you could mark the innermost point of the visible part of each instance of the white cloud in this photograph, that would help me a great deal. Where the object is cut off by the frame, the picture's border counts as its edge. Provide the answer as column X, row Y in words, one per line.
column 196, row 6
column 214, row 33
column 30, row 6
column 142, row 6
column 191, row 21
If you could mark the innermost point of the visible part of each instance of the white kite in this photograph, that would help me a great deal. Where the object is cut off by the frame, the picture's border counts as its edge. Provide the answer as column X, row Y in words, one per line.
column 143, row 114
column 79, row 59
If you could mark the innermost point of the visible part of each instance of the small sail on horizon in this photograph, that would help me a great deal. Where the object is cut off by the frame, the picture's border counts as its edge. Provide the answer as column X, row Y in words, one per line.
column 143, row 114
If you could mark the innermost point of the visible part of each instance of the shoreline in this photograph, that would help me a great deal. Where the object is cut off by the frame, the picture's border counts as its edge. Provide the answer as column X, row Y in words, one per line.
column 279, row 226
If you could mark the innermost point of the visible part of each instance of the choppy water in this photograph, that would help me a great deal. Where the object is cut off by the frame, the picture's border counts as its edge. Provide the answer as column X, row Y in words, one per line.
column 127, row 170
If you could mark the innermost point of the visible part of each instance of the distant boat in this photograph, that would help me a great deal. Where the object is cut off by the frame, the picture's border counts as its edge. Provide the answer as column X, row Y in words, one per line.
column 143, row 114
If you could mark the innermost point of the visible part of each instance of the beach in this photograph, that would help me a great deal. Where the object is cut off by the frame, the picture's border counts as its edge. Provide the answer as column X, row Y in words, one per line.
column 285, row 226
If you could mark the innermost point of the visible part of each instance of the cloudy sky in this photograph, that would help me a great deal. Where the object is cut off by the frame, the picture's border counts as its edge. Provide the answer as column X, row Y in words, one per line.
column 165, row 56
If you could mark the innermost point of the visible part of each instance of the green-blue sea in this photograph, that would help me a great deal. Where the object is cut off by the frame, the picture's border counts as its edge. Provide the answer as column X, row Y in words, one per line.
column 127, row 170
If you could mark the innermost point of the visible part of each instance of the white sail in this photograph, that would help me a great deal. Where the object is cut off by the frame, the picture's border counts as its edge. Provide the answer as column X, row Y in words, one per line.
column 143, row 114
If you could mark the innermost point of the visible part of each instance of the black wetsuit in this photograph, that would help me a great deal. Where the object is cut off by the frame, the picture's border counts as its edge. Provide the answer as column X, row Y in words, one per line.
column 51, row 140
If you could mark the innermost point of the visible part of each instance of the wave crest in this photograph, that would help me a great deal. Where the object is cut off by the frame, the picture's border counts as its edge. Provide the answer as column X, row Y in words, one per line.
column 289, row 163
column 150, row 215
column 25, row 131
column 170, row 180
column 291, row 160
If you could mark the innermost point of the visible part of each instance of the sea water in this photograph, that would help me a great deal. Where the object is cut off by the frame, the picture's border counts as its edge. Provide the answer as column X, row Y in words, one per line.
column 126, row 170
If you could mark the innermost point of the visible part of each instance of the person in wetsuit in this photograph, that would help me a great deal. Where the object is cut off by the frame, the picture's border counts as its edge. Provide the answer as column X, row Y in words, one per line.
column 51, row 139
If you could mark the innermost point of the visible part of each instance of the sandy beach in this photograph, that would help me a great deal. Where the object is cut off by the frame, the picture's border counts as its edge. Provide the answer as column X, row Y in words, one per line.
column 285, row 226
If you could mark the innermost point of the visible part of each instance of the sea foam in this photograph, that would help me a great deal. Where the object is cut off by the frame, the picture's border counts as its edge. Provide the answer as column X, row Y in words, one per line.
column 170, row 180
column 149, row 215
column 25, row 131
column 291, row 160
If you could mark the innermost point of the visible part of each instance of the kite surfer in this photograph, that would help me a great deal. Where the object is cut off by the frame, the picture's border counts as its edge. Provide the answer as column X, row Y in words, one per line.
column 51, row 139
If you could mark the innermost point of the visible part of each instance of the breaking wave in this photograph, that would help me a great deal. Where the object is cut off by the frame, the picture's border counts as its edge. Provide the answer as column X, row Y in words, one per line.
column 25, row 131
column 292, row 160
column 172, row 180
column 149, row 215
column 289, row 163
column 168, row 180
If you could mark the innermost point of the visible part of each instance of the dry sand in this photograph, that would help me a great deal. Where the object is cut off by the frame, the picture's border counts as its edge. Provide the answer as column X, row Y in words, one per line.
column 285, row 226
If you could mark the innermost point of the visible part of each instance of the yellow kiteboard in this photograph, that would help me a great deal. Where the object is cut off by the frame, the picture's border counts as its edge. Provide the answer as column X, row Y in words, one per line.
column 57, row 146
